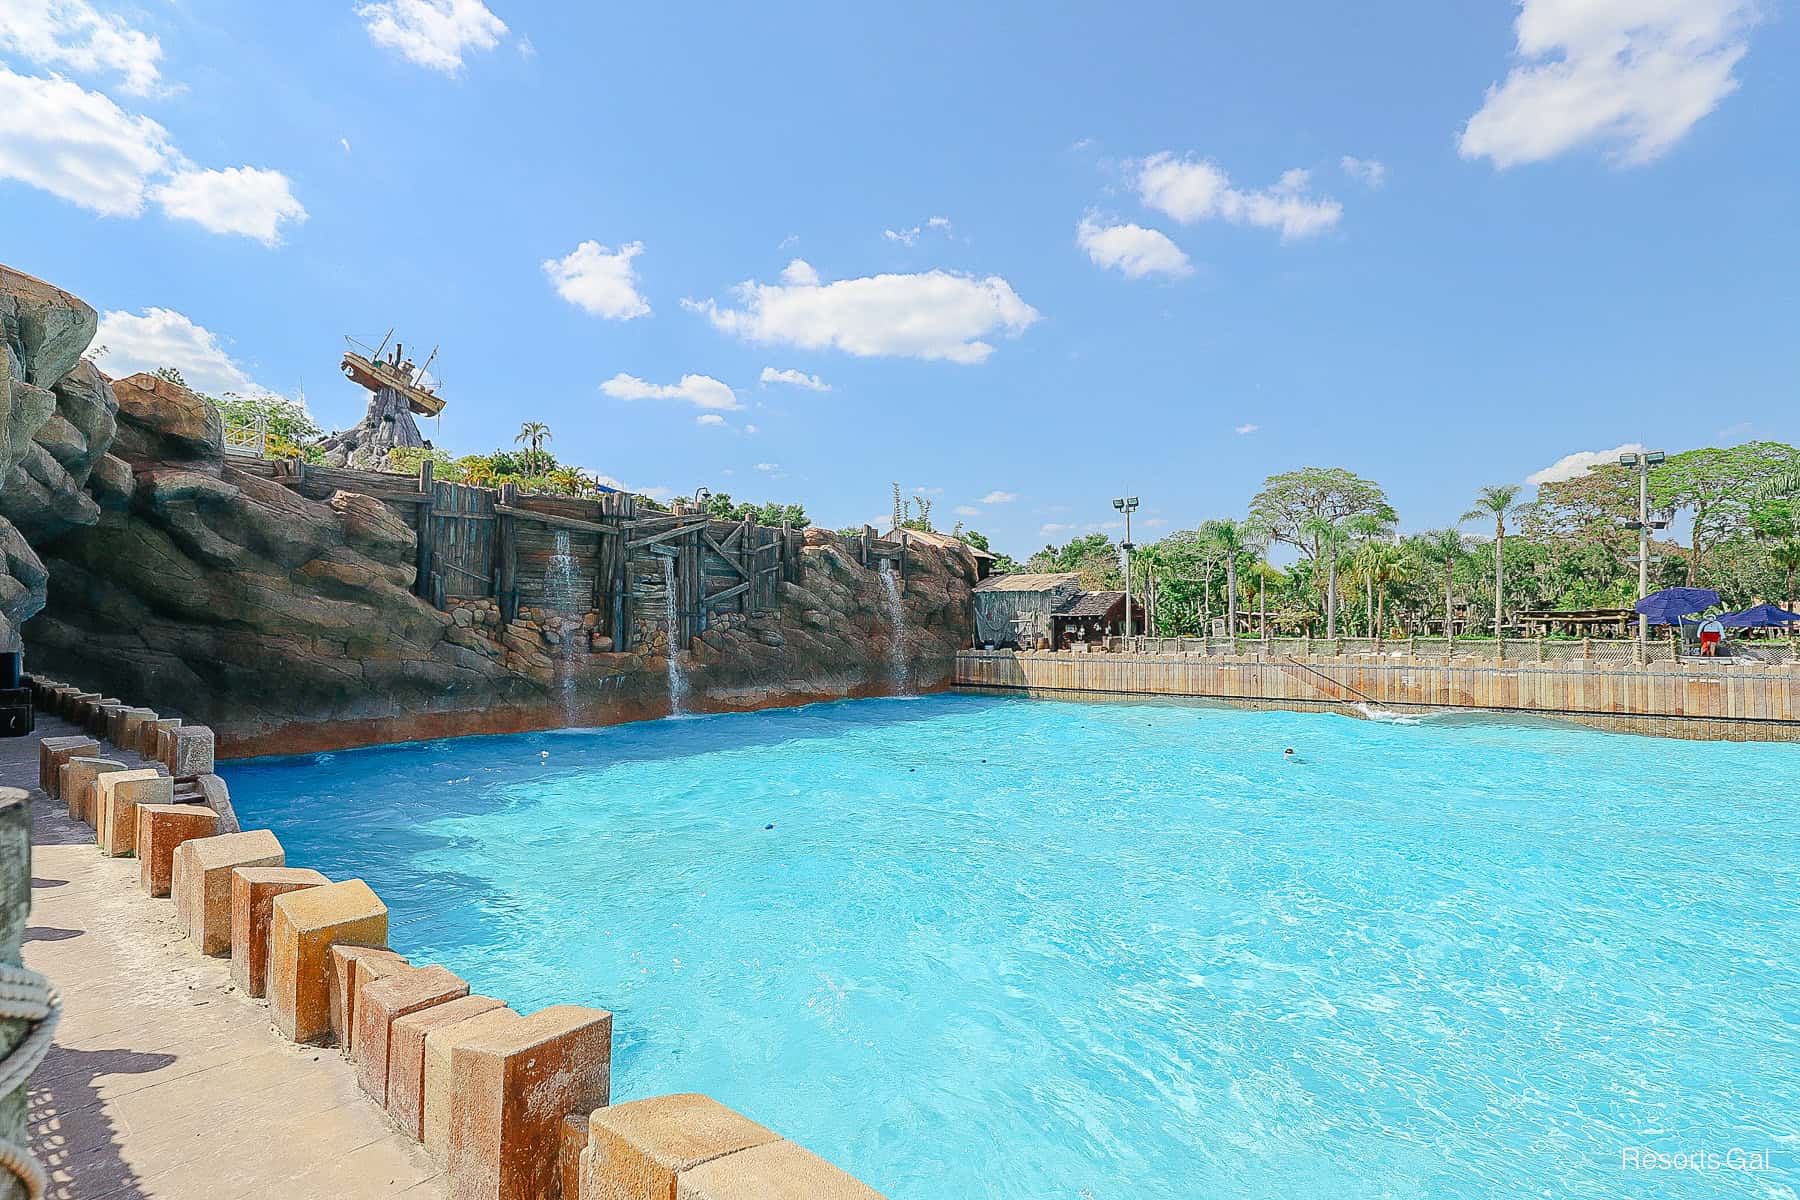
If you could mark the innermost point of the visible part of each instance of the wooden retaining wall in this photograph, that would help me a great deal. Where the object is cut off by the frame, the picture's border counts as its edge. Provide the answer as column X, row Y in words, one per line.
column 1736, row 701
column 576, row 554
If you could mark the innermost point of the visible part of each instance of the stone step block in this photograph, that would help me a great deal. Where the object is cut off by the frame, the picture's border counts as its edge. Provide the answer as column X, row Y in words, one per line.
column 509, row 1093
column 304, row 927
column 440, row 1048
column 119, row 727
column 200, row 881
column 774, row 1171
column 75, row 783
column 53, row 752
column 637, row 1150
column 568, row 1154
column 406, row 1056
column 118, row 796
column 132, row 728
column 253, row 892
column 161, row 828
column 100, row 714
column 147, row 743
column 190, row 751
column 381, row 1003
column 349, row 970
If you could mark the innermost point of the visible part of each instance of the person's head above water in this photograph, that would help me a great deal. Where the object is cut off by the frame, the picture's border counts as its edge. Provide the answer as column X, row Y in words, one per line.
column 1289, row 752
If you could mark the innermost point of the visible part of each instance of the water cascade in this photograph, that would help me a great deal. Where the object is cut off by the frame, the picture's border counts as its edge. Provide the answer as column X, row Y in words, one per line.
column 897, row 640
column 677, row 681
column 560, row 596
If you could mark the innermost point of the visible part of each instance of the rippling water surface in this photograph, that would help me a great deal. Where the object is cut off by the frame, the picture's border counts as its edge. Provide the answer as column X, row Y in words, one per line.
column 1005, row 948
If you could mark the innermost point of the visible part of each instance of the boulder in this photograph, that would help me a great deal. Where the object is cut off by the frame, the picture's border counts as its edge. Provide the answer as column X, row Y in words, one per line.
column 162, row 420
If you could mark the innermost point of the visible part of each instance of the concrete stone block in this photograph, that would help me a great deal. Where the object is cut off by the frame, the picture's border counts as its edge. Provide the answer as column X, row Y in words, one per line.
column 190, row 751
column 568, row 1155
column 304, row 927
column 253, row 892
column 349, row 970
column 636, row 1150
column 118, row 796
column 147, row 744
column 377, row 1007
column 773, row 1171
column 509, row 1093
column 119, row 728
column 406, row 1056
column 160, row 829
column 200, row 881
column 440, row 1049
column 100, row 714
column 53, row 752
column 75, row 782
column 132, row 735
column 165, row 738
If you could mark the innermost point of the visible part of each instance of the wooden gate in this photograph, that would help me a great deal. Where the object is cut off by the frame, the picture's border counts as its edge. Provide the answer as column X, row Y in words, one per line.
column 458, row 561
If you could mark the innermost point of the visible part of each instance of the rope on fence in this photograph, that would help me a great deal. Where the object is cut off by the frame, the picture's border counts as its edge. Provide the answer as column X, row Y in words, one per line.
column 26, row 995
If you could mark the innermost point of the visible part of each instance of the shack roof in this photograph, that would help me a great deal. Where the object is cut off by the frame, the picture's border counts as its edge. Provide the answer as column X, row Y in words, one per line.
column 942, row 541
column 1089, row 604
column 1051, row 582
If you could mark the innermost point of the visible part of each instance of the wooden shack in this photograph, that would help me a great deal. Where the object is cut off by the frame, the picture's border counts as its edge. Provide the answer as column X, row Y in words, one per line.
column 1015, row 610
column 1090, row 616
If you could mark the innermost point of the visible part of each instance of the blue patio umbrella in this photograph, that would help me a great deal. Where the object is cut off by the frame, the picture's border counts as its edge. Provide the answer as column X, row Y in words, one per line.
column 1671, row 604
column 1763, row 616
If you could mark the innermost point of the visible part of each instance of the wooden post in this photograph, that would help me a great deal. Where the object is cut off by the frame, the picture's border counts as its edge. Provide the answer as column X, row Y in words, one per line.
column 422, row 567
column 751, row 600
column 506, row 550
column 624, row 610
column 868, row 536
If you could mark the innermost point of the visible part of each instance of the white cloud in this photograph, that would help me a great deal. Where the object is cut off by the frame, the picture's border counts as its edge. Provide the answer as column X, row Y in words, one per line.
column 801, row 379
column 250, row 201
column 345, row 143
column 433, row 33
column 1246, row 427
column 1000, row 497
column 1571, row 465
column 752, row 429
column 1371, row 171
column 907, row 237
column 599, row 281
column 1132, row 249
column 709, row 419
column 1157, row 522
column 1197, row 189
column 934, row 315
column 1052, row 528
column 768, row 467
column 78, row 145
column 655, row 493
column 69, row 35
column 702, row 391
column 161, row 337
column 1632, row 75
column 967, row 510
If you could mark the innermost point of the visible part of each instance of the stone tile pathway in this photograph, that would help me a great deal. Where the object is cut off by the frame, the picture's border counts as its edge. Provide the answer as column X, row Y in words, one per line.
column 165, row 1080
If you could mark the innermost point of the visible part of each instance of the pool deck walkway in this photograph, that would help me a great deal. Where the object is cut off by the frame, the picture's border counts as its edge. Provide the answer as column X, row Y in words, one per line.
column 165, row 1080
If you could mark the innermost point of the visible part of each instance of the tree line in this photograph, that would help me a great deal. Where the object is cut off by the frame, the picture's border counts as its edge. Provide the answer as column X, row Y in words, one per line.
column 1571, row 547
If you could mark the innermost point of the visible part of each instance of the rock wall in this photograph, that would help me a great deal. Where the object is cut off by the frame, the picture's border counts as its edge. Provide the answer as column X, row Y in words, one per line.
column 56, row 425
column 287, row 624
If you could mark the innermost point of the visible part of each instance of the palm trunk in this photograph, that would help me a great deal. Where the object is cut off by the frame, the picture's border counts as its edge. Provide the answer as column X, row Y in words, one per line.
column 1449, row 603
column 1499, row 581
column 1331, row 600
column 1380, row 612
column 1369, row 596
column 1231, row 596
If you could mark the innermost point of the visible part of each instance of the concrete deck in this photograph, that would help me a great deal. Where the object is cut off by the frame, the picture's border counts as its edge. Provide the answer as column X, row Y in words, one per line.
column 165, row 1080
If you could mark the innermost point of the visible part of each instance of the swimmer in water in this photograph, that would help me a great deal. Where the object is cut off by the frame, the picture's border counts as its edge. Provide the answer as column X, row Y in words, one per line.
column 1288, row 755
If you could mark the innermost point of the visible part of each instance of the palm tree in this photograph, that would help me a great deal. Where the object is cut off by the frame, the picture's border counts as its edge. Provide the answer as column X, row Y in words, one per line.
column 1496, row 501
column 534, row 434
column 1787, row 557
column 572, row 480
column 1444, row 547
column 1328, row 538
column 1232, row 539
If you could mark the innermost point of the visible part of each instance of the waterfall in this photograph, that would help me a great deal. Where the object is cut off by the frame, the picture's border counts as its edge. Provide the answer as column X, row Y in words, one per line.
column 560, row 596
column 897, row 639
column 677, row 682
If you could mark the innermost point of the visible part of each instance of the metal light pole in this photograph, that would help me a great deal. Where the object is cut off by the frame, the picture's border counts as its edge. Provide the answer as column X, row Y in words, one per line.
column 1127, row 505
column 1642, row 463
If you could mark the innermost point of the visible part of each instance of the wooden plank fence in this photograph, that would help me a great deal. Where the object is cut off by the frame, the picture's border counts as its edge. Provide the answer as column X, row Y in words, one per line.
column 579, row 554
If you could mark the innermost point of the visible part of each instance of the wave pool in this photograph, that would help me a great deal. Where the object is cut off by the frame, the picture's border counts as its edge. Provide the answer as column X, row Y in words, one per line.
column 974, row 947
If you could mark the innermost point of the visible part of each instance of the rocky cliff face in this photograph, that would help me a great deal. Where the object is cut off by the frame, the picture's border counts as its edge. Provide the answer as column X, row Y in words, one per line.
column 287, row 624
column 56, row 425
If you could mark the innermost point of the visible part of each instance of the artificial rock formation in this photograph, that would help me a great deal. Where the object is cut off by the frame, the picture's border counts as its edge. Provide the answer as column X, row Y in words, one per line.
column 169, row 574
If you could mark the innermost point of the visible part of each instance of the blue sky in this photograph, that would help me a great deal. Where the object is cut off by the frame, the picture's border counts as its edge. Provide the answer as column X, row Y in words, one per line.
column 1037, row 254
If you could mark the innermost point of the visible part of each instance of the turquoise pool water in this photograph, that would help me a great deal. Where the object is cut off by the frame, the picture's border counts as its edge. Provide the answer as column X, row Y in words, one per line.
column 1025, row 950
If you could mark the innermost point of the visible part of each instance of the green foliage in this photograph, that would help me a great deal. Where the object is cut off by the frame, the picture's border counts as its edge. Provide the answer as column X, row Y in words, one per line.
column 1004, row 564
column 1296, row 505
column 408, row 459
column 1095, row 557
column 721, row 506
